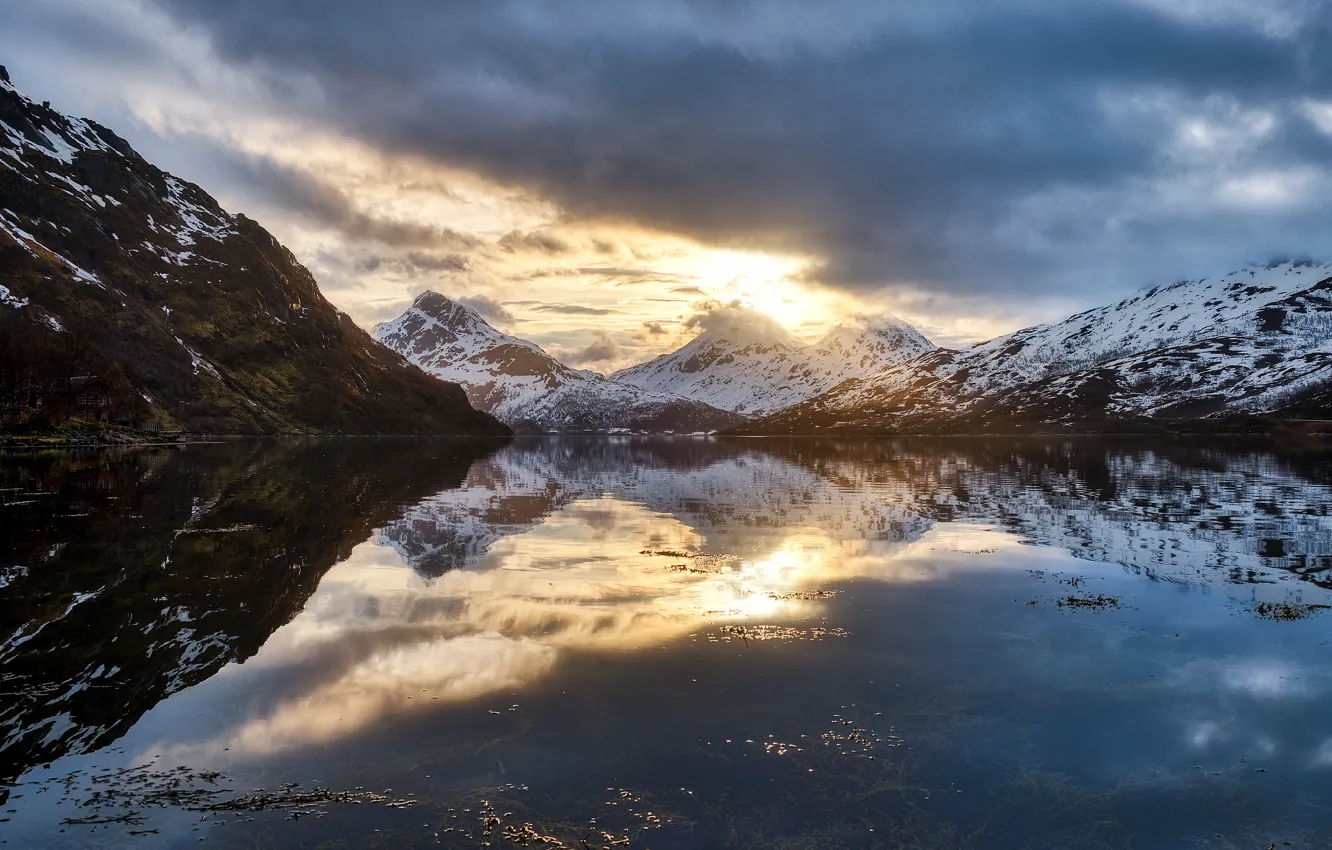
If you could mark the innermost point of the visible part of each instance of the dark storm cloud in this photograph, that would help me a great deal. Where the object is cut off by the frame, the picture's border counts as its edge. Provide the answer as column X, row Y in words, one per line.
column 892, row 141
column 307, row 196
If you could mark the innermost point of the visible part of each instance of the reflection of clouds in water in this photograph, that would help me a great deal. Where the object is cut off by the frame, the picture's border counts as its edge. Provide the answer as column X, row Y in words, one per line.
column 1322, row 755
column 385, row 683
column 1203, row 735
column 1264, row 679
column 1255, row 678
column 378, row 639
column 1258, row 679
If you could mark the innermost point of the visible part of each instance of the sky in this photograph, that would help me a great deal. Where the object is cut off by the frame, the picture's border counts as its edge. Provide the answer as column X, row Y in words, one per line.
column 601, row 175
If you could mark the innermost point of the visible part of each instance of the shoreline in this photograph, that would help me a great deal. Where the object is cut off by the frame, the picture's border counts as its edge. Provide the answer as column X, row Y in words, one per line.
column 1308, row 429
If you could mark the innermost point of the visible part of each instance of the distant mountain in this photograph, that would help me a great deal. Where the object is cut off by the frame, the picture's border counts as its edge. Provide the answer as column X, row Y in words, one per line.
column 518, row 382
column 749, row 365
column 1257, row 341
column 129, row 294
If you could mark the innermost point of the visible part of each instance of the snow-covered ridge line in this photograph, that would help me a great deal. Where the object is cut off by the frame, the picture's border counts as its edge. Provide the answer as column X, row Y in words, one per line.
column 518, row 382
column 1257, row 340
column 753, row 367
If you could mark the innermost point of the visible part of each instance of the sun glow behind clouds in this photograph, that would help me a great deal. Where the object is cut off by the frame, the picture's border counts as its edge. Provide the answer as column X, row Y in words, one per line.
column 417, row 224
column 378, row 227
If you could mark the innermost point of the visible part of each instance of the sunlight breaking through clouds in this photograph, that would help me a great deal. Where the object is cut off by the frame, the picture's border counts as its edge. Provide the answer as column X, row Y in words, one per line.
column 813, row 185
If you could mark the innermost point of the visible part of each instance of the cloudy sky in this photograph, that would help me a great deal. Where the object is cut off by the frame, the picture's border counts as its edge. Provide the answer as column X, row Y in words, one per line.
column 597, row 175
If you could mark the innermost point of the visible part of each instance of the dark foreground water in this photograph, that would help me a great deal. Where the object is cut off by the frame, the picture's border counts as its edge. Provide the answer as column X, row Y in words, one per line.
column 667, row 644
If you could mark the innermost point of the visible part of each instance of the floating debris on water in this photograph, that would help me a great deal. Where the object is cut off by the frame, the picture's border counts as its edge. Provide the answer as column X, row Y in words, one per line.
column 696, row 563
column 851, row 739
column 780, row 748
column 686, row 568
column 769, row 632
column 634, row 813
column 669, row 553
column 126, row 796
column 804, row 595
column 1098, row 601
column 1286, row 611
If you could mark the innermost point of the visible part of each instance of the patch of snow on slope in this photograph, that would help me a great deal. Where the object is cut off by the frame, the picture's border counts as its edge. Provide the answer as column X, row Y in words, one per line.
column 30, row 243
column 11, row 300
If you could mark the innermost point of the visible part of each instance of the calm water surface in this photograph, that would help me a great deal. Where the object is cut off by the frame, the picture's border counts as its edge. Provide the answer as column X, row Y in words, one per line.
column 691, row 643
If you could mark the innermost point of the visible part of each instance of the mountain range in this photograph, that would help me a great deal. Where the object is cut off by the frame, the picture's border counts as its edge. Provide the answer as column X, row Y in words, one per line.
column 182, row 315
column 518, row 382
column 736, row 369
column 1257, row 341
column 748, row 364
column 129, row 288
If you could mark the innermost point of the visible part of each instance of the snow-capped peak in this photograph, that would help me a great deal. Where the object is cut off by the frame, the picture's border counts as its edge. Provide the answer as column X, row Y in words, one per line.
column 518, row 382
column 741, row 327
column 1256, row 340
column 747, row 363
column 435, row 320
column 882, row 330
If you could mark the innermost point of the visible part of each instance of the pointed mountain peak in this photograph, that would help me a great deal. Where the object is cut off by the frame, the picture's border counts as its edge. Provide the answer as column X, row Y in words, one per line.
column 742, row 327
column 883, row 327
column 450, row 313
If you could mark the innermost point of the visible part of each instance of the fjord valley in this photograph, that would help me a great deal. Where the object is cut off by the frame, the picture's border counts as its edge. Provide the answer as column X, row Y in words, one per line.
column 669, row 425
column 672, row 642
column 132, row 298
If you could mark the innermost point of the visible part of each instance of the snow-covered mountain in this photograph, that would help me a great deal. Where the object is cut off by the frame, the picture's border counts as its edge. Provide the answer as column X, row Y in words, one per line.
column 519, row 383
column 749, row 364
column 1255, row 341
column 187, row 316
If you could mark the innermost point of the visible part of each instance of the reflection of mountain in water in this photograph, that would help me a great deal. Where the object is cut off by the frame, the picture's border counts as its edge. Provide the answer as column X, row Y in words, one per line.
column 722, row 489
column 130, row 576
column 1171, row 508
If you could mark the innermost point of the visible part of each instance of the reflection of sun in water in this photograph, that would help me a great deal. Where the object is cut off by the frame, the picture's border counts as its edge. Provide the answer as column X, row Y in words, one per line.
column 599, row 574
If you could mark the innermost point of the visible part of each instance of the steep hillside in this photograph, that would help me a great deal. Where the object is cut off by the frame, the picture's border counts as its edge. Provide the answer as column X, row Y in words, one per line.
column 181, row 315
column 1257, row 341
column 753, row 367
column 524, row 386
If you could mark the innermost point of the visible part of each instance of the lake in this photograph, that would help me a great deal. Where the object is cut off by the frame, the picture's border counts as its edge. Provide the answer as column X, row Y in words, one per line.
column 667, row 643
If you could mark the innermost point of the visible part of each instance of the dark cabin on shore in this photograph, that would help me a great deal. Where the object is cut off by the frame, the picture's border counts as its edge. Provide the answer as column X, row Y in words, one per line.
column 97, row 397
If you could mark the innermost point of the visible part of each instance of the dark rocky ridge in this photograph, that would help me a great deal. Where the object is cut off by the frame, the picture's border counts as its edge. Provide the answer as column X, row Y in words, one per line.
column 110, row 265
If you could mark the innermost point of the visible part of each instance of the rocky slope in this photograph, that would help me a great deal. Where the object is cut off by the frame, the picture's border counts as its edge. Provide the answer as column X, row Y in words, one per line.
column 198, row 319
column 751, row 366
column 1256, row 341
column 521, row 384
